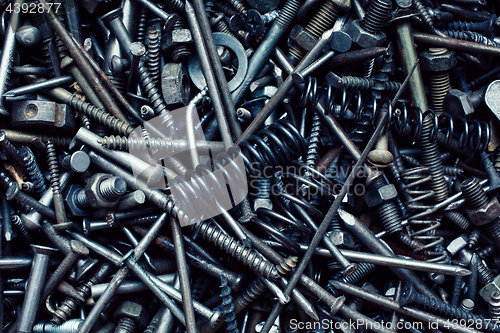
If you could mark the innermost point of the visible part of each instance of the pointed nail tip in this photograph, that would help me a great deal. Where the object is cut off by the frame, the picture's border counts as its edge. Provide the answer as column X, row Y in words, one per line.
column 313, row 315
column 463, row 272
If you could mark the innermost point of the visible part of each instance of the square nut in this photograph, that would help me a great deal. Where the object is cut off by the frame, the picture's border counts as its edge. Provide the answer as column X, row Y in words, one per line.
column 378, row 196
column 485, row 214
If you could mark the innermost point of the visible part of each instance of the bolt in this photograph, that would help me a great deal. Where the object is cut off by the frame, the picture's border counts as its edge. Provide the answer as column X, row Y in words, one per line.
column 69, row 326
column 78, row 161
column 34, row 287
column 429, row 150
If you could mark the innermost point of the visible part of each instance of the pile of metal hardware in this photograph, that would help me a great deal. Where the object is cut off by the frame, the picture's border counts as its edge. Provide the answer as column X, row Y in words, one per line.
column 249, row 166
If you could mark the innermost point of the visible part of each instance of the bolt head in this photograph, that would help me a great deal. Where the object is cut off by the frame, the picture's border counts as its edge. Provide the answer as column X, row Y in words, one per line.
column 490, row 288
column 93, row 192
column 301, row 37
column 437, row 62
column 362, row 37
column 458, row 104
column 484, row 214
column 132, row 310
column 376, row 197
column 177, row 37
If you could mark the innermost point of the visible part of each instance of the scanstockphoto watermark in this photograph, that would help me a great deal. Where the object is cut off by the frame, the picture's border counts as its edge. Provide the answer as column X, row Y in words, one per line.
column 327, row 324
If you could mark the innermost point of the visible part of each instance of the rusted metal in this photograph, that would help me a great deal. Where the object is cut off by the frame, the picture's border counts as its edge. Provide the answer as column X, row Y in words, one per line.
column 456, row 44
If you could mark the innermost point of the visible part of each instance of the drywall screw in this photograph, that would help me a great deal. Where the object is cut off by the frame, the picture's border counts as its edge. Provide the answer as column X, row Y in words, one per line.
column 150, row 89
column 255, row 22
column 34, row 287
column 209, row 267
column 451, row 43
column 91, row 111
column 429, row 150
column 8, row 50
column 32, row 168
column 59, row 209
column 26, row 138
column 77, row 250
column 234, row 248
column 359, row 83
column 410, row 295
column 485, row 27
column 393, row 305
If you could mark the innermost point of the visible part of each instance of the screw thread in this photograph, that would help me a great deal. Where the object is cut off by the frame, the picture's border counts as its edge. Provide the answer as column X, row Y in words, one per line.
column 452, row 171
column 153, row 55
column 234, row 248
column 221, row 26
column 125, row 325
column 150, row 89
column 82, row 201
column 137, row 221
column 441, row 307
column 492, row 230
column 250, row 294
column 431, row 159
column 481, row 27
column 470, row 36
column 473, row 239
column 321, row 22
column 313, row 142
column 99, row 115
column 467, row 305
column 104, row 315
column 494, row 305
column 485, row 252
column 46, row 45
column 53, row 167
column 142, row 25
column 227, row 306
column 286, row 266
column 474, row 193
column 33, row 170
column 439, row 87
column 388, row 211
column 225, row 9
column 175, row 4
column 458, row 219
column 69, row 326
column 238, row 6
column 485, row 275
column 356, row 83
column 113, row 187
column 376, row 15
column 288, row 13
column 367, row 68
column 21, row 229
column 426, row 17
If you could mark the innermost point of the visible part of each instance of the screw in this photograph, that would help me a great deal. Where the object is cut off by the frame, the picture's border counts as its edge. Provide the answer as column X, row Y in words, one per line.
column 69, row 326
column 494, row 305
column 60, row 211
column 34, row 287
column 430, row 152
column 410, row 295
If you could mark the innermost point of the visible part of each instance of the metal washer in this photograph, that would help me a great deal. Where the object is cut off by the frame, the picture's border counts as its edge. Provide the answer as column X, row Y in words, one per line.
column 222, row 39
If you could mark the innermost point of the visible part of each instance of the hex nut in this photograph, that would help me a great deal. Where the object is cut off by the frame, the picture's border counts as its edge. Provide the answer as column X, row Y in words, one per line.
column 457, row 103
column 376, row 197
column 362, row 37
column 490, row 288
column 437, row 62
column 485, row 214
column 175, row 38
column 175, row 84
column 70, row 197
column 134, row 311
column 93, row 192
column 342, row 238
column 301, row 37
